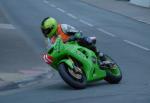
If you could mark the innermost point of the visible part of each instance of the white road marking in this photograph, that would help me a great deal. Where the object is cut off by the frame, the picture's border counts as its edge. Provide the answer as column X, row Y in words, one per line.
column 137, row 45
column 141, row 20
column 7, row 26
column 45, row 1
column 72, row 16
column 106, row 32
column 61, row 10
column 86, row 23
column 52, row 5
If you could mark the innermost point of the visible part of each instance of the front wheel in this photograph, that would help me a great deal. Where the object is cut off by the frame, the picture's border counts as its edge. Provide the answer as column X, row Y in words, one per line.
column 75, row 78
column 113, row 75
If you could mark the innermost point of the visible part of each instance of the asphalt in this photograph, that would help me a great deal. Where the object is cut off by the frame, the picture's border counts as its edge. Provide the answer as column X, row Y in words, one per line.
column 3, row 18
column 19, row 61
column 112, row 32
column 123, row 7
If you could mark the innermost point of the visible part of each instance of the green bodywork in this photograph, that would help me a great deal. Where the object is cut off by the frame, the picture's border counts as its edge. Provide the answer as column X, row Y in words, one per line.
column 63, row 52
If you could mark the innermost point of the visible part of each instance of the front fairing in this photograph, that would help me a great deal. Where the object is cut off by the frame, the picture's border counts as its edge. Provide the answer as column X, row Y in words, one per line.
column 61, row 52
column 48, row 43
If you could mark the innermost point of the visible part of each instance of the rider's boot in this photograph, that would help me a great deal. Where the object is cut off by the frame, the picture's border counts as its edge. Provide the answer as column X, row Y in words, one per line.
column 90, row 43
column 104, row 63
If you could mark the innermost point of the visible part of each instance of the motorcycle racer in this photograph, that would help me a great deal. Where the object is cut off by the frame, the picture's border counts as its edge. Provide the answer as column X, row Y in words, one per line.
column 51, row 29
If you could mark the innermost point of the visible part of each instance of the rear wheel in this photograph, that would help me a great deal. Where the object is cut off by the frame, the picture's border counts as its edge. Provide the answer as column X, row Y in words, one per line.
column 74, row 77
column 113, row 75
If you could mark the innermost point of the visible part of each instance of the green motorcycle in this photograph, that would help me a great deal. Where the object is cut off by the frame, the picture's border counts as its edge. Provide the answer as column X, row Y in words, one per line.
column 78, row 65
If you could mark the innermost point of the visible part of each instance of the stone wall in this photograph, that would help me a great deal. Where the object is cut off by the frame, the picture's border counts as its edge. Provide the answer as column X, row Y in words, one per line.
column 143, row 3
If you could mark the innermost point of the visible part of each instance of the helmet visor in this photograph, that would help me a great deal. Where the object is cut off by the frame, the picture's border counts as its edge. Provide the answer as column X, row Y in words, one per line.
column 46, row 31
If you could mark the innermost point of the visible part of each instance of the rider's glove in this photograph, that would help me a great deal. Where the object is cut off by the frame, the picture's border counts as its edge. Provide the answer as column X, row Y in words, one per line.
column 75, row 37
column 78, row 35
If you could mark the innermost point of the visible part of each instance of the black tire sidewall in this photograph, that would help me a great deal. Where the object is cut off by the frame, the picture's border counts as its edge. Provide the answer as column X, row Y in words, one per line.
column 70, row 80
column 110, row 78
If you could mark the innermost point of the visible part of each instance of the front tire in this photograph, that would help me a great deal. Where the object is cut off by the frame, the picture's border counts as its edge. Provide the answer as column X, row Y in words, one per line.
column 77, row 83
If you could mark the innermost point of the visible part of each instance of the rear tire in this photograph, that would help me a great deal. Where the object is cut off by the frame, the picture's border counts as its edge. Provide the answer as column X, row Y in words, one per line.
column 113, row 76
column 69, row 79
column 113, row 79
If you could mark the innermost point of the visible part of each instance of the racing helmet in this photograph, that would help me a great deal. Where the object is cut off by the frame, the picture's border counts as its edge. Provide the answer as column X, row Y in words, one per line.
column 49, row 27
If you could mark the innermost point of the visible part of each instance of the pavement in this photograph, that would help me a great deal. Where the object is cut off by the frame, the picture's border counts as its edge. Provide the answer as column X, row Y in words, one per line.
column 19, row 62
column 123, row 7
column 125, row 40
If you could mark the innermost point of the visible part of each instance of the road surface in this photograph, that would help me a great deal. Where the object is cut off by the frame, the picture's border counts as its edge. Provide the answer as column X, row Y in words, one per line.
column 124, row 39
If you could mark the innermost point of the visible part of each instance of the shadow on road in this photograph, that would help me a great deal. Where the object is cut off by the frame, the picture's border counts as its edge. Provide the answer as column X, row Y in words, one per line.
column 63, row 86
